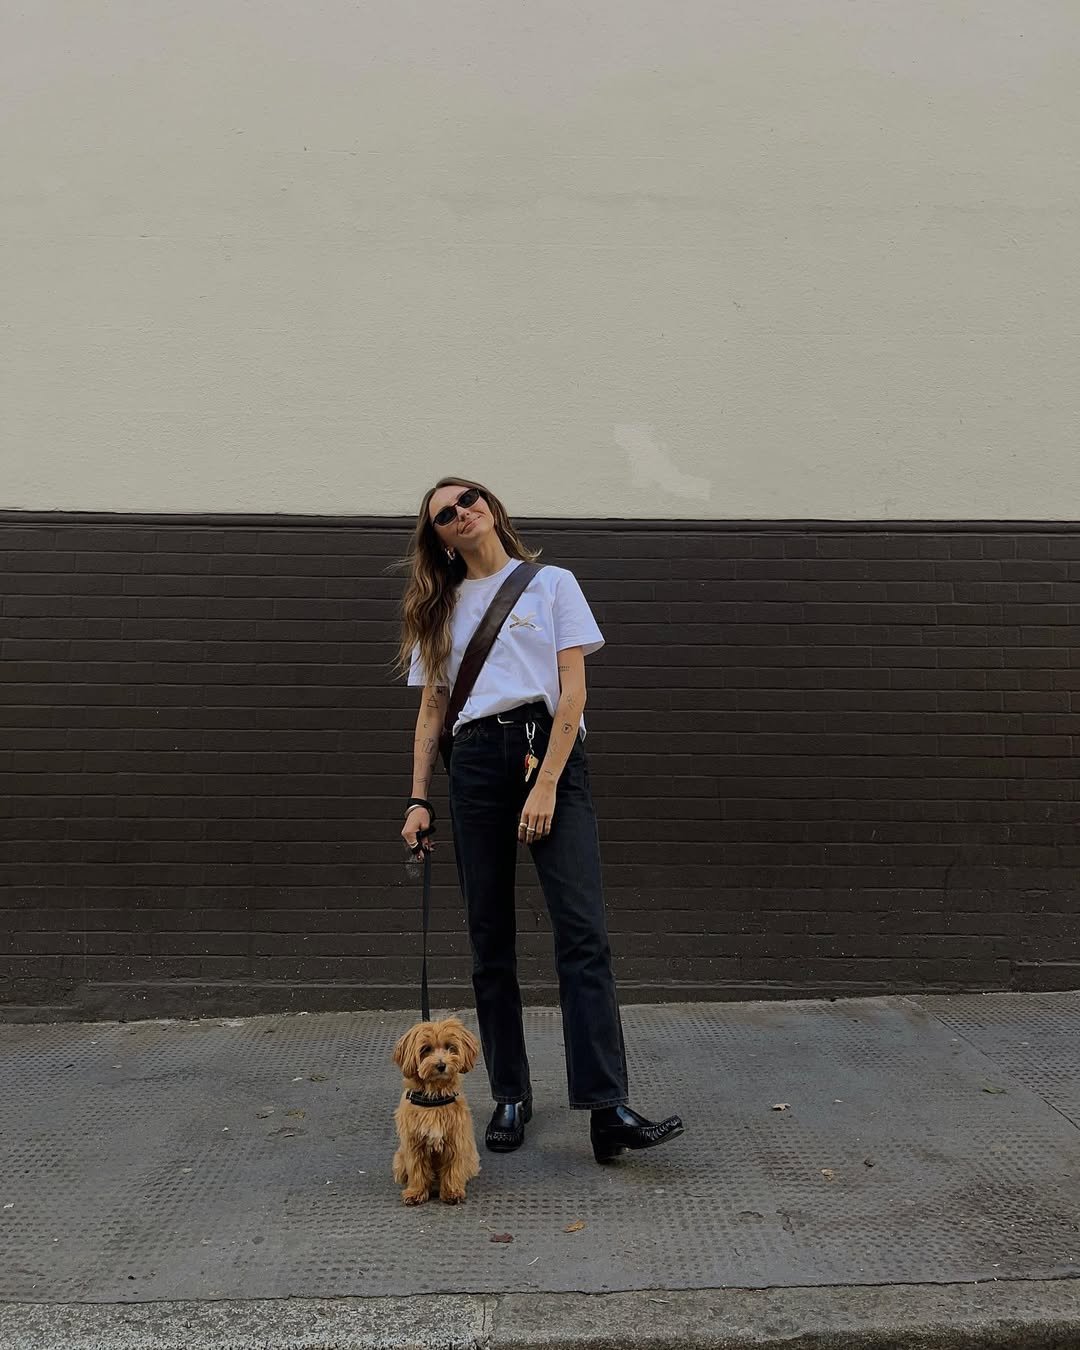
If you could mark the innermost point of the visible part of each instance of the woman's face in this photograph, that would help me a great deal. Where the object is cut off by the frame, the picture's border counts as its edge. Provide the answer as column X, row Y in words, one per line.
column 471, row 521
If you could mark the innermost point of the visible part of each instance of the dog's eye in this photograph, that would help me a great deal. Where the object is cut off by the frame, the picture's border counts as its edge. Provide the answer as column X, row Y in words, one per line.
column 452, row 1049
column 425, row 1050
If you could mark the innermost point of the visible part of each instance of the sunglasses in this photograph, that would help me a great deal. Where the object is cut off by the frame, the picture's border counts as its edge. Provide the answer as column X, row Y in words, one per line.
column 448, row 513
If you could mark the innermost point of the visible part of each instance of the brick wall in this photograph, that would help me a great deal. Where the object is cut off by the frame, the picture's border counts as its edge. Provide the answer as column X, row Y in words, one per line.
column 827, row 760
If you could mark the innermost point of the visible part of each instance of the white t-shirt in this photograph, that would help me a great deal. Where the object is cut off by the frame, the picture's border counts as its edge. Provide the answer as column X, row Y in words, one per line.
column 522, row 666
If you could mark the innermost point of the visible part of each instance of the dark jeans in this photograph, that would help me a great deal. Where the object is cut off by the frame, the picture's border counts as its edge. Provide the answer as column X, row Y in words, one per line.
column 487, row 794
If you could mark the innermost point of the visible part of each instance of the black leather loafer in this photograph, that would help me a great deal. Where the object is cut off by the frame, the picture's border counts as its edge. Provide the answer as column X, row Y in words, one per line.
column 632, row 1131
column 506, row 1129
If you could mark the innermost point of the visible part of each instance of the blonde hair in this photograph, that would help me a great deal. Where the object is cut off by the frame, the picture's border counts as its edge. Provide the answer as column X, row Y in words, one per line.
column 431, row 590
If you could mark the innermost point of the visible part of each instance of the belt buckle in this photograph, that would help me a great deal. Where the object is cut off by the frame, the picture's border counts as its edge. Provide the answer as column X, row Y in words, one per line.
column 502, row 723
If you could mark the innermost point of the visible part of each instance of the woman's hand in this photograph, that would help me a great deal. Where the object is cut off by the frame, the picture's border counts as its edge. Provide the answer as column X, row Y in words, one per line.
column 537, row 813
column 419, row 818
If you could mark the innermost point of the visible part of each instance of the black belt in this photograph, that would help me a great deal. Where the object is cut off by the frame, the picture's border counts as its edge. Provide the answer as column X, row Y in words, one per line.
column 526, row 712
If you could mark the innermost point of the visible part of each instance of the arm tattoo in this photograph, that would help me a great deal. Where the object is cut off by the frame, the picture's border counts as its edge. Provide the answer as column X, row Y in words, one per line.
column 425, row 745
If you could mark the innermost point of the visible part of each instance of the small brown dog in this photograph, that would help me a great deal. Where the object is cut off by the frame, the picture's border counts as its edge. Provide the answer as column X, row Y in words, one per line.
column 437, row 1149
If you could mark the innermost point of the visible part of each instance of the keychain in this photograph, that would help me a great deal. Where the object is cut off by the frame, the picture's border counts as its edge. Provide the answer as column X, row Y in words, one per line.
column 531, row 762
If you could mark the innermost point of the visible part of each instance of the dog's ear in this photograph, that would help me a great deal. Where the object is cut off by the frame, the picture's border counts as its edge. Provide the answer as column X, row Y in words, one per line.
column 469, row 1050
column 405, row 1053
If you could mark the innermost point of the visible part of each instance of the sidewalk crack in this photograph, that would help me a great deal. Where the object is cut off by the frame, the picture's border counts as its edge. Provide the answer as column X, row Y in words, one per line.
column 488, row 1306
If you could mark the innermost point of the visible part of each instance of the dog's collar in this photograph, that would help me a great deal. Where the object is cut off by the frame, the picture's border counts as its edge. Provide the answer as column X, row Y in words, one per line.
column 419, row 1099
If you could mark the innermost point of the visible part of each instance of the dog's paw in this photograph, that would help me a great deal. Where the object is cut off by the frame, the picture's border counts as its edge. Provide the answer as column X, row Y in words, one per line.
column 415, row 1197
column 449, row 1197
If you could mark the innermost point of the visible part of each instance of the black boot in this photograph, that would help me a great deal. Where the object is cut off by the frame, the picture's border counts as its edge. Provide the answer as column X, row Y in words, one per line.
column 614, row 1128
column 506, row 1129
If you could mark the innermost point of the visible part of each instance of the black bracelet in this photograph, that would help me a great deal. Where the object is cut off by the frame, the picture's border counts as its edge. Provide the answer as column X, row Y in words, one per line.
column 419, row 801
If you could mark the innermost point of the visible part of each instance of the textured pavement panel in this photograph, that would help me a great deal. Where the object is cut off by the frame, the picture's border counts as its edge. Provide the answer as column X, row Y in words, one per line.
column 250, row 1158
column 1037, row 1041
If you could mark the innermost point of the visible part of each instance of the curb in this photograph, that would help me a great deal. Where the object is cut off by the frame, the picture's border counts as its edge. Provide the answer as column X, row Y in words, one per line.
column 1003, row 1315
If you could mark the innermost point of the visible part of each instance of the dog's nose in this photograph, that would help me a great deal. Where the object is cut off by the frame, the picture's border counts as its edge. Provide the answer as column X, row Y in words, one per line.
column 440, row 1067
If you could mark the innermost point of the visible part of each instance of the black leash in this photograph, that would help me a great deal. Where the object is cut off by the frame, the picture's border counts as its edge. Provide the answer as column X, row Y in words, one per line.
column 417, row 850
column 425, row 1003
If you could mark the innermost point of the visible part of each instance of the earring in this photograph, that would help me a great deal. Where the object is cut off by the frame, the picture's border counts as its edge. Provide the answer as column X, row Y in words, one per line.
column 450, row 555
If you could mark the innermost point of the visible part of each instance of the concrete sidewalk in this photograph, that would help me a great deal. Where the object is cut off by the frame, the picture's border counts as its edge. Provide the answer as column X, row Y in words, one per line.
column 167, row 1183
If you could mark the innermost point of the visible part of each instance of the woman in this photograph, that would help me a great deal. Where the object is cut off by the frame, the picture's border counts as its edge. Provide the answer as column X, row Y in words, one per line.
column 518, row 774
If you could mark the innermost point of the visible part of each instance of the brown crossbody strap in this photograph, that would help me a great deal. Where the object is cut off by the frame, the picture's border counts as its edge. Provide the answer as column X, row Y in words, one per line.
column 481, row 642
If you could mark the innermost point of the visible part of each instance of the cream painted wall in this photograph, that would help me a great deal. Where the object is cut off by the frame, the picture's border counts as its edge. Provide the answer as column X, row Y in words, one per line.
column 654, row 258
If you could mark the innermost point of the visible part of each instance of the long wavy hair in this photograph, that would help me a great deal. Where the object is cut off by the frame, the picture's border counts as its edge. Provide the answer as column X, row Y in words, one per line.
column 431, row 589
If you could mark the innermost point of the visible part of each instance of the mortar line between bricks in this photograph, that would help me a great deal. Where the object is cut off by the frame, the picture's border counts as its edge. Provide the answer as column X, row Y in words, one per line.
column 985, row 1054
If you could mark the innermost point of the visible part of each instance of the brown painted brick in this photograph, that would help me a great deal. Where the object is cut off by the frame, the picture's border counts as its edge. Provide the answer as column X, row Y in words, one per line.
column 867, row 736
